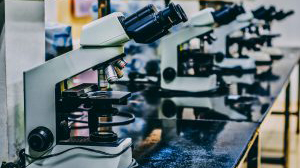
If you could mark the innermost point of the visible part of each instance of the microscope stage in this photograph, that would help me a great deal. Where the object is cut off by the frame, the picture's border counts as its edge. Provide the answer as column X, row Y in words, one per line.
column 109, row 97
column 85, row 141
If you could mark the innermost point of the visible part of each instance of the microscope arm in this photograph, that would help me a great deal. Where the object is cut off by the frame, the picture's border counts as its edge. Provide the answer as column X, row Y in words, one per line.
column 107, row 31
column 40, row 82
column 202, row 18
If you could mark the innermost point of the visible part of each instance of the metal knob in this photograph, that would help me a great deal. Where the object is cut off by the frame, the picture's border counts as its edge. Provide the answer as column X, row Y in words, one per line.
column 40, row 139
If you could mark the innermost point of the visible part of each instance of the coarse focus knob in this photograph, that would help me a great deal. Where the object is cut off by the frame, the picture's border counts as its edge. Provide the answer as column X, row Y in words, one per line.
column 40, row 139
column 169, row 74
column 219, row 57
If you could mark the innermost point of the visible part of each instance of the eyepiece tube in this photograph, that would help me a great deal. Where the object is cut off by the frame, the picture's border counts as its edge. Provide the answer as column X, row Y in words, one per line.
column 227, row 14
column 289, row 13
column 175, row 13
column 144, row 12
column 148, row 25
column 265, row 14
column 282, row 15
column 259, row 12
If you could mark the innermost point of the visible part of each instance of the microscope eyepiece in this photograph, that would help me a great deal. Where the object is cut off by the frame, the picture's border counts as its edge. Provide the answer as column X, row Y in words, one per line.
column 174, row 13
column 282, row 15
column 227, row 14
column 265, row 14
column 148, row 25
column 259, row 12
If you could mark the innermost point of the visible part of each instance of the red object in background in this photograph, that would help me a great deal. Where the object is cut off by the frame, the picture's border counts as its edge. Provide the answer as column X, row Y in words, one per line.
column 82, row 8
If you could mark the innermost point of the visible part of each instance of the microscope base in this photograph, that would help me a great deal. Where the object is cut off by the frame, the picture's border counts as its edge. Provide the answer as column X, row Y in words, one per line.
column 246, row 64
column 245, row 79
column 260, row 58
column 191, row 84
column 82, row 158
column 274, row 52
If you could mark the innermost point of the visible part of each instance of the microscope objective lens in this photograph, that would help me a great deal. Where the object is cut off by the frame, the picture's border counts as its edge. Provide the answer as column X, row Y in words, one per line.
column 102, row 80
column 121, row 63
column 119, row 72
column 111, row 74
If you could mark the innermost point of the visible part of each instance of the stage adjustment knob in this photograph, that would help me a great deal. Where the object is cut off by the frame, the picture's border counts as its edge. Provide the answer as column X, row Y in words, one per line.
column 40, row 139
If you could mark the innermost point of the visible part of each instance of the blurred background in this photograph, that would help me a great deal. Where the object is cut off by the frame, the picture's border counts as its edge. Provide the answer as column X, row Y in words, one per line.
column 63, row 21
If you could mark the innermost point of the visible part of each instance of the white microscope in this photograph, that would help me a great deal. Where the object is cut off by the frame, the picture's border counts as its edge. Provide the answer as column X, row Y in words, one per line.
column 178, row 71
column 49, row 106
column 220, row 44
column 267, row 16
column 257, row 37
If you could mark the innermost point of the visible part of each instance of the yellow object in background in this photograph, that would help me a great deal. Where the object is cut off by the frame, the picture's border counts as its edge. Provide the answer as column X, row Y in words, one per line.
column 66, row 14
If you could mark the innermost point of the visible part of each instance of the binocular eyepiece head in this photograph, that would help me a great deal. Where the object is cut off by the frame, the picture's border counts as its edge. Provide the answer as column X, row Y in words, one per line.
column 282, row 15
column 270, row 14
column 264, row 14
column 147, row 25
column 227, row 14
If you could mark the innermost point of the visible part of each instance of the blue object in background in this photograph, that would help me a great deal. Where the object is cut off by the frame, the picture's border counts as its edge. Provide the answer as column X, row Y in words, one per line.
column 58, row 39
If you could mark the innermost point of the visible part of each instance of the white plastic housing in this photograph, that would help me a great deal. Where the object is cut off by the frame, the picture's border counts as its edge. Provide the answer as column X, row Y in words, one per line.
column 244, row 63
column 81, row 158
column 259, row 56
column 107, row 31
column 222, row 32
column 202, row 18
column 272, row 50
column 246, row 17
column 40, row 82
column 245, row 79
column 199, row 24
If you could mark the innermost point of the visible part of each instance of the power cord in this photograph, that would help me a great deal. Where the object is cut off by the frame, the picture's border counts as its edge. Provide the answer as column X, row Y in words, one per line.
column 107, row 155
column 21, row 164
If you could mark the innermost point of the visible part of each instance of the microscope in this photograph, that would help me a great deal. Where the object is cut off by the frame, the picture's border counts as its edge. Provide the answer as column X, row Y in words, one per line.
column 245, row 64
column 51, row 108
column 185, row 69
column 257, row 37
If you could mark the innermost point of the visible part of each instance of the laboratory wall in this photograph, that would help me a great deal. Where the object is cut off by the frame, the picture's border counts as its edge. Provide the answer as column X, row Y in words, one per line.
column 23, row 48
column 3, row 112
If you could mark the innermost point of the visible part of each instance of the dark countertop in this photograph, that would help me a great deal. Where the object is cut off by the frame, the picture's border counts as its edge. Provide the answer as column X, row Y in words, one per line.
column 166, row 134
column 187, row 143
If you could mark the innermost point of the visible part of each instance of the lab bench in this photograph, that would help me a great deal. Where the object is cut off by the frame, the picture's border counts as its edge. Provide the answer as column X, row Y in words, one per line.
column 214, row 130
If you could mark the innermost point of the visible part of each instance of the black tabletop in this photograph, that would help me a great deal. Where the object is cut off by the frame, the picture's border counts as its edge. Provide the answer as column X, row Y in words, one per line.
column 186, row 143
column 205, row 131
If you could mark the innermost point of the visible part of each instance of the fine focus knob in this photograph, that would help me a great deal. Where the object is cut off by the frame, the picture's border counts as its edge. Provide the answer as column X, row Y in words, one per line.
column 169, row 74
column 40, row 139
